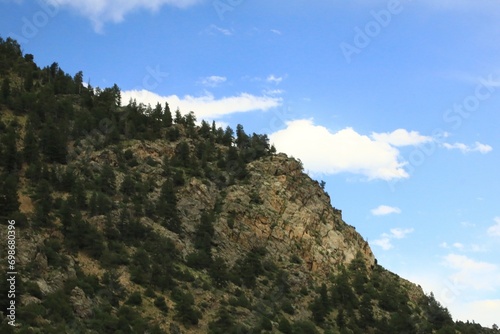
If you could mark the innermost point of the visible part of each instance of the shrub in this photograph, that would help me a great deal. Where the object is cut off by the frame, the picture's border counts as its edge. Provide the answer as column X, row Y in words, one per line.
column 160, row 304
column 134, row 299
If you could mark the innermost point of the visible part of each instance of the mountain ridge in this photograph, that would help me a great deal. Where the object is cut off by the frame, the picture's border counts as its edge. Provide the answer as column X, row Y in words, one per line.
column 135, row 219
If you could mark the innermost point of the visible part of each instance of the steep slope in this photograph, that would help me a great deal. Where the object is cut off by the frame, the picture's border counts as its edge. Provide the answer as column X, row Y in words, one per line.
column 134, row 220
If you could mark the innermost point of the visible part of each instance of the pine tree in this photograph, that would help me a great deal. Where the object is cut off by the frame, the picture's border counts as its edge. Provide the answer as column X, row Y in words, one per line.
column 78, row 80
column 43, row 203
column 242, row 139
column 10, row 156
column 30, row 149
column 167, row 116
column 178, row 117
column 53, row 143
column 190, row 123
column 5, row 89
column 9, row 202
column 107, row 180
column 166, row 207
column 227, row 138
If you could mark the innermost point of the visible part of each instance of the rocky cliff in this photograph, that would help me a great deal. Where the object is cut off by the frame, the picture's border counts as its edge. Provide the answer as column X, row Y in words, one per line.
column 130, row 220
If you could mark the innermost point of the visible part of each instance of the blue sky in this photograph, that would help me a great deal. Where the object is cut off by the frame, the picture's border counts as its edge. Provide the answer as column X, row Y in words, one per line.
column 395, row 104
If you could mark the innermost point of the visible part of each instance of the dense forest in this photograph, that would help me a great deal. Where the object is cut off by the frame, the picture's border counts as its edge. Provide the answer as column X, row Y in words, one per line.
column 128, row 220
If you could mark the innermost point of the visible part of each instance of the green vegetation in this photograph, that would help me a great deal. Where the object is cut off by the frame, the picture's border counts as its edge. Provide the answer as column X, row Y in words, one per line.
column 131, row 224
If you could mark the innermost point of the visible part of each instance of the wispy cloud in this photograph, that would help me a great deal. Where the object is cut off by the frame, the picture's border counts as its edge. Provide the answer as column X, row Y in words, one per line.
column 384, row 243
column 102, row 11
column 400, row 233
column 383, row 210
column 401, row 137
column 477, row 147
column 212, row 81
column 385, row 240
column 471, row 248
column 274, row 79
column 216, row 30
column 467, row 224
column 494, row 230
column 274, row 91
column 206, row 106
column 469, row 273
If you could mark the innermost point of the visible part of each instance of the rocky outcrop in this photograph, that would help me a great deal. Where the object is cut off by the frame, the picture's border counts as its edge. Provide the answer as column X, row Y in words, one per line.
column 82, row 305
column 281, row 208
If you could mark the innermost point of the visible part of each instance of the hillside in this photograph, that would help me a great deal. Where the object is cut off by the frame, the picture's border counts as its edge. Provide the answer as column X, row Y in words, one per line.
column 140, row 219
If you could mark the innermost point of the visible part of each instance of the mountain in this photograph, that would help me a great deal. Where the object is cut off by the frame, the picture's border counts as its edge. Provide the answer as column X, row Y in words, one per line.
column 138, row 219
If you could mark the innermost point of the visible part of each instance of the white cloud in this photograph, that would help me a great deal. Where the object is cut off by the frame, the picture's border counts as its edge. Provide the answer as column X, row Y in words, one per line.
column 467, row 224
column 274, row 92
column 213, row 81
column 444, row 245
column 275, row 31
column 494, row 230
column 484, row 312
column 214, row 29
column 474, row 248
column 399, row 233
column 401, row 137
column 478, row 248
column 274, row 79
column 205, row 106
column 385, row 210
column 478, row 147
column 457, row 298
column 327, row 152
column 384, row 243
column 473, row 274
column 396, row 233
column 102, row 11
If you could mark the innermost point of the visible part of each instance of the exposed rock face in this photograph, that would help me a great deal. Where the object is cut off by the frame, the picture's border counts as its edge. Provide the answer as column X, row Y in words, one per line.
column 283, row 209
column 81, row 303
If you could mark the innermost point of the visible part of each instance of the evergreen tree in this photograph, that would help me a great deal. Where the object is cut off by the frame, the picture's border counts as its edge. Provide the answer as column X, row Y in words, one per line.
column 30, row 149
column 242, row 139
column 224, row 324
column 5, row 89
column 167, row 116
column 78, row 80
column 219, row 272
column 321, row 305
column 178, row 117
column 182, row 156
column 53, row 143
column 128, row 186
column 227, row 138
column 107, row 180
column 10, row 156
column 9, row 202
column 366, row 312
column 190, row 123
column 205, row 232
column 166, row 207
column 185, row 309
column 205, row 130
